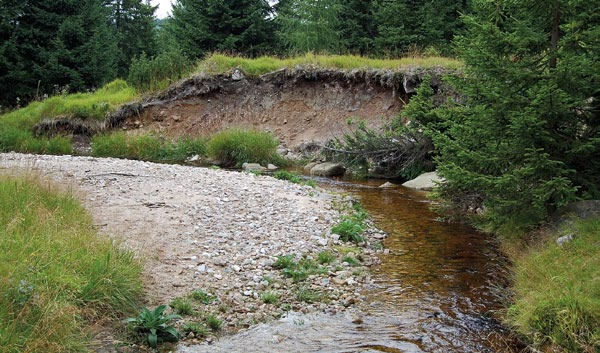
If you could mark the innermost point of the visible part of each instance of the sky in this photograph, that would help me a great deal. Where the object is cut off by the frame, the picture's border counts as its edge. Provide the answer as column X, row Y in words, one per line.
column 164, row 7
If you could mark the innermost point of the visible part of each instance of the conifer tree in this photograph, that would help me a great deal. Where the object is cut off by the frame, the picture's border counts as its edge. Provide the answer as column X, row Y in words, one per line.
column 525, row 139
column 48, row 44
column 309, row 25
column 133, row 21
column 356, row 26
column 241, row 26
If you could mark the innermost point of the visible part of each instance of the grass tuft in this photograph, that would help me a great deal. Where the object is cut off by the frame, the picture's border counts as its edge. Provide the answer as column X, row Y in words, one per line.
column 234, row 147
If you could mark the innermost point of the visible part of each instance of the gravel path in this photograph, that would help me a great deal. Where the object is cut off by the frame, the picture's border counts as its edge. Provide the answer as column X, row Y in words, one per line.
column 215, row 230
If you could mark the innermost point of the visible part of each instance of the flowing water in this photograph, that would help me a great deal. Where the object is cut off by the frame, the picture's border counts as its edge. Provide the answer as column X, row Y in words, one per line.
column 435, row 291
column 437, row 288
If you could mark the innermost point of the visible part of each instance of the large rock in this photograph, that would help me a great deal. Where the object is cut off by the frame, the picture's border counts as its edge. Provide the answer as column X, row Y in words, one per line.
column 424, row 182
column 328, row 169
column 253, row 167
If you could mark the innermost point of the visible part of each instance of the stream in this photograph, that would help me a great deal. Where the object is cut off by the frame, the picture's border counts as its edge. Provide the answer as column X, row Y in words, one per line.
column 435, row 291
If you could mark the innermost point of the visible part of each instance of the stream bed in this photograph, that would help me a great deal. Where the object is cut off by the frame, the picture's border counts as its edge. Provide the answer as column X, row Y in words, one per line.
column 435, row 291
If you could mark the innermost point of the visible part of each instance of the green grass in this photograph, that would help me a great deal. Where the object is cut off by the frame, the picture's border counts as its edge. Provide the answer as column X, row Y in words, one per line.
column 235, row 147
column 269, row 297
column 16, row 127
column 352, row 226
column 308, row 295
column 146, row 147
column 557, row 292
column 202, row 296
column 182, row 306
column 214, row 323
column 198, row 328
column 220, row 63
column 56, row 273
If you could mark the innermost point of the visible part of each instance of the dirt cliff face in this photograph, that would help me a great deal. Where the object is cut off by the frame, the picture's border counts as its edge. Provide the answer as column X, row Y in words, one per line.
column 297, row 106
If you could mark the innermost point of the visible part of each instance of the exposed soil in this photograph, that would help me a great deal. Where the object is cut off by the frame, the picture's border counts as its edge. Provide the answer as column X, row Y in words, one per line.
column 299, row 106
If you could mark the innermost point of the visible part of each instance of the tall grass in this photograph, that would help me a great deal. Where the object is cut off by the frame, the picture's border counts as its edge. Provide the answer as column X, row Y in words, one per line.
column 557, row 292
column 219, row 63
column 146, row 147
column 234, row 147
column 56, row 273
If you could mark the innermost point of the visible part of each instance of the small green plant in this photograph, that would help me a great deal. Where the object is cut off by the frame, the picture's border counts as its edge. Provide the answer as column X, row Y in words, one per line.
column 197, row 328
column 154, row 324
column 182, row 306
column 269, row 297
column 289, row 176
column 312, row 184
column 214, row 323
column 352, row 261
column 326, row 257
column 202, row 296
column 285, row 261
column 297, row 274
column 308, row 295
column 349, row 229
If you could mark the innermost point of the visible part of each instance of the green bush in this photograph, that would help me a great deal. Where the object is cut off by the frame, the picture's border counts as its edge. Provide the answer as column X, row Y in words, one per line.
column 235, row 147
column 349, row 229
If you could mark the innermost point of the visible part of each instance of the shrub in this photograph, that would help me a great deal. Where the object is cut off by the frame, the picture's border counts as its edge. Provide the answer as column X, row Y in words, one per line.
column 234, row 147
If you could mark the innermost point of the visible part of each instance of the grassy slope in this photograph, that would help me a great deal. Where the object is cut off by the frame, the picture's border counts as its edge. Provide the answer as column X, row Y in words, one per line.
column 219, row 63
column 56, row 273
column 557, row 292
column 16, row 127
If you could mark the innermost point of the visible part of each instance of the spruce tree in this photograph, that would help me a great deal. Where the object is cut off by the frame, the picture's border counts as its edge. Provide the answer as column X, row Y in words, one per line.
column 309, row 25
column 241, row 26
column 49, row 44
column 133, row 21
column 404, row 25
column 356, row 26
column 524, row 139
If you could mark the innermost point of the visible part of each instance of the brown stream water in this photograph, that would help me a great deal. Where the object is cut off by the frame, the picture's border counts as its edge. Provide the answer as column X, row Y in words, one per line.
column 435, row 291
column 437, row 288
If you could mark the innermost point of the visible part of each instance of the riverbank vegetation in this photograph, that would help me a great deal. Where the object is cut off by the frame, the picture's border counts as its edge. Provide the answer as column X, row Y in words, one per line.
column 557, row 290
column 57, row 274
